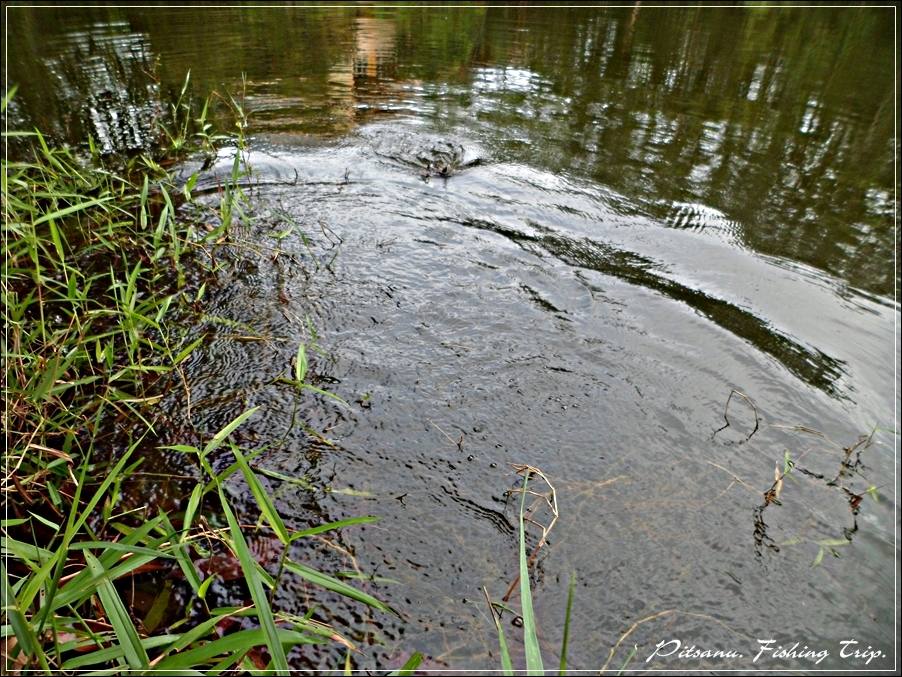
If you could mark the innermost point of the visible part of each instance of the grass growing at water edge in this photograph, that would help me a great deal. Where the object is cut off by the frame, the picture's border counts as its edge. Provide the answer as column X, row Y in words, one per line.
column 97, row 263
column 532, row 648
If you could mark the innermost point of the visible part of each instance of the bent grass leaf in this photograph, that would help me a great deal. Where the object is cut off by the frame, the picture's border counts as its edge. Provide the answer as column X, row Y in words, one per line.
column 21, row 628
column 833, row 542
column 60, row 213
column 121, row 547
column 117, row 614
column 241, row 641
column 299, row 481
column 264, row 502
column 201, row 630
column 187, row 350
column 252, row 577
column 333, row 584
column 320, row 391
column 329, row 526
column 31, row 554
column 114, row 652
column 221, row 436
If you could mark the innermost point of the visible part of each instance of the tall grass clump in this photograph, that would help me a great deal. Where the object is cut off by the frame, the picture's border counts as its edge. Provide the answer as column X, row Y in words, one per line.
column 97, row 267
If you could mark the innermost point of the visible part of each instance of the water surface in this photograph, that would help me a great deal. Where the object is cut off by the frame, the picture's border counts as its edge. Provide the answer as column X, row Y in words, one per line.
column 644, row 210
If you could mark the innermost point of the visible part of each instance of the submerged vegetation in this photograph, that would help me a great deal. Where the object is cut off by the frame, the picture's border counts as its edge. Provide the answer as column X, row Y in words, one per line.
column 102, row 269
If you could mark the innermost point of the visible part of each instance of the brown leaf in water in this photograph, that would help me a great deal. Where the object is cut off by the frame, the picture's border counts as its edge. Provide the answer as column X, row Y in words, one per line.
column 227, row 624
column 259, row 660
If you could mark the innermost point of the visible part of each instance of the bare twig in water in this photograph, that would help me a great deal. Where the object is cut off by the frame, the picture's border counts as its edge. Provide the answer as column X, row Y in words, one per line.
column 735, row 477
column 323, row 227
column 459, row 443
column 736, row 480
column 726, row 418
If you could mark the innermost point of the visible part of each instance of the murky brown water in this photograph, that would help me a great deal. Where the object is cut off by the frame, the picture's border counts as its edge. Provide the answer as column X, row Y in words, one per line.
column 647, row 208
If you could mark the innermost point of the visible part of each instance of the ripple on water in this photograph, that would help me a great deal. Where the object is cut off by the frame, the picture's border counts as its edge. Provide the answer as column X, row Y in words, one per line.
column 507, row 316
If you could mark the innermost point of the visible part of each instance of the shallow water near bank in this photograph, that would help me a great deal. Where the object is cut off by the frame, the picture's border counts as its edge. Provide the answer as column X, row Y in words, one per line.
column 583, row 298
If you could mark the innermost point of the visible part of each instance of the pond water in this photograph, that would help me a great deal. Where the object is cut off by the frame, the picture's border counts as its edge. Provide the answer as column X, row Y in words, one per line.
column 555, row 237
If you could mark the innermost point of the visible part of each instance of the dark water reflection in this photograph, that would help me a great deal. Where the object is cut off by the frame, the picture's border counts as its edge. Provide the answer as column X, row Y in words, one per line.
column 649, row 207
column 782, row 120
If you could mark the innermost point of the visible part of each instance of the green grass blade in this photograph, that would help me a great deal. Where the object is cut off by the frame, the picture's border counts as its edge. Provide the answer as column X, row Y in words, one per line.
column 264, row 502
column 11, row 92
column 74, row 527
column 320, row 391
column 24, row 633
column 101, row 490
column 229, row 471
column 507, row 667
column 335, row 585
column 134, row 652
column 221, row 436
column 300, row 364
column 60, row 213
column 197, row 632
column 530, row 639
column 181, row 554
column 409, row 666
column 185, row 352
column 25, row 551
column 248, row 566
column 193, row 504
column 112, row 653
column 566, row 639
column 76, row 590
column 299, row 481
column 329, row 526
column 629, row 657
column 237, row 641
column 120, row 547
